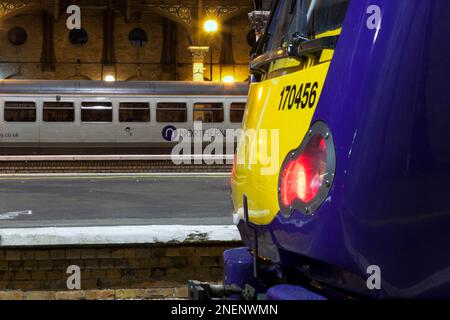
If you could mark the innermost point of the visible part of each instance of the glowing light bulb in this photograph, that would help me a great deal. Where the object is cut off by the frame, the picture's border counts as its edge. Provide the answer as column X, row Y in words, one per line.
column 211, row 26
column 228, row 79
column 110, row 78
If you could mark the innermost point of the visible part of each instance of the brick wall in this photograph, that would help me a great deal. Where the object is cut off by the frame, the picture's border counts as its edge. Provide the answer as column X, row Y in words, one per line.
column 112, row 268
column 86, row 60
column 105, row 294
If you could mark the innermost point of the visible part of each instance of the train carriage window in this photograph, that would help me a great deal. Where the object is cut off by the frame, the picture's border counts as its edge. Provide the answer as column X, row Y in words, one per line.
column 96, row 112
column 208, row 112
column 134, row 112
column 171, row 112
column 59, row 112
column 237, row 111
column 20, row 112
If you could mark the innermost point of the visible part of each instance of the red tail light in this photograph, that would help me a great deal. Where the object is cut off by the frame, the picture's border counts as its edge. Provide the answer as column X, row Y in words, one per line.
column 303, row 177
column 308, row 172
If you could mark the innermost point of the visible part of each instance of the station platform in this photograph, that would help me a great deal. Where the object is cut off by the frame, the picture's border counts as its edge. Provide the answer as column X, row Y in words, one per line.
column 134, row 236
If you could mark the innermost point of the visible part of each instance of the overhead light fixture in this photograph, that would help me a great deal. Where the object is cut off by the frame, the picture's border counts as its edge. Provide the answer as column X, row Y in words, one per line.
column 110, row 78
column 228, row 79
column 211, row 26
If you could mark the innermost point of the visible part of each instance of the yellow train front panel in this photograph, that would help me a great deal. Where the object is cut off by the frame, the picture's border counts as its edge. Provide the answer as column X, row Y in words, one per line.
column 279, row 111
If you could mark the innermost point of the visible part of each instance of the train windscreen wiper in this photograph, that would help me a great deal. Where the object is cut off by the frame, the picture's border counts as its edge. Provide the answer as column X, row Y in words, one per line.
column 300, row 49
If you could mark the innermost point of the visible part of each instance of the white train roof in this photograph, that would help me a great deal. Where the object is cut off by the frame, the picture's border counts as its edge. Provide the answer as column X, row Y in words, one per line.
column 122, row 88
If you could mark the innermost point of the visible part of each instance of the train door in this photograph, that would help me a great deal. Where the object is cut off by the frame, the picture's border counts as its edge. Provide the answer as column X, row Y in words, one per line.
column 58, row 123
column 97, row 117
column 172, row 114
column 234, row 115
column 134, row 123
column 19, row 120
column 209, row 118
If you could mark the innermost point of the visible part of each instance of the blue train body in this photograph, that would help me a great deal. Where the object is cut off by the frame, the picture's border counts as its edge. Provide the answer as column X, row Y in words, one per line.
column 386, row 100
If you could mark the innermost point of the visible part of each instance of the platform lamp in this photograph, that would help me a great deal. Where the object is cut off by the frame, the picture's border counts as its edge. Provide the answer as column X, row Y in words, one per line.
column 211, row 27
column 109, row 72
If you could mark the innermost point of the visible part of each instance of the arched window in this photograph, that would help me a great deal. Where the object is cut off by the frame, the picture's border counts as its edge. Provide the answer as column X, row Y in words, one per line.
column 138, row 38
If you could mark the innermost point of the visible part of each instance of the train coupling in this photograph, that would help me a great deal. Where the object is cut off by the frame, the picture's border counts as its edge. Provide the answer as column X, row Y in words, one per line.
column 201, row 291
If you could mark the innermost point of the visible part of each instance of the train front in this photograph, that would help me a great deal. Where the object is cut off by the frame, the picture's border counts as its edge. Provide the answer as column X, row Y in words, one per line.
column 340, row 181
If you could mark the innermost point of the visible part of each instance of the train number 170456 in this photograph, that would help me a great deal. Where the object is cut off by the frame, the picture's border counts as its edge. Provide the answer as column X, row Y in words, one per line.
column 301, row 96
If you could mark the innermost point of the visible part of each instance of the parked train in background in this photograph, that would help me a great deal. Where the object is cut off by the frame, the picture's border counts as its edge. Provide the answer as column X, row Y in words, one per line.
column 96, row 117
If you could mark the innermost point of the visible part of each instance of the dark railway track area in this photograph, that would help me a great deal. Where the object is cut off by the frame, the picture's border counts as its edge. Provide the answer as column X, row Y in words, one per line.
column 106, row 166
